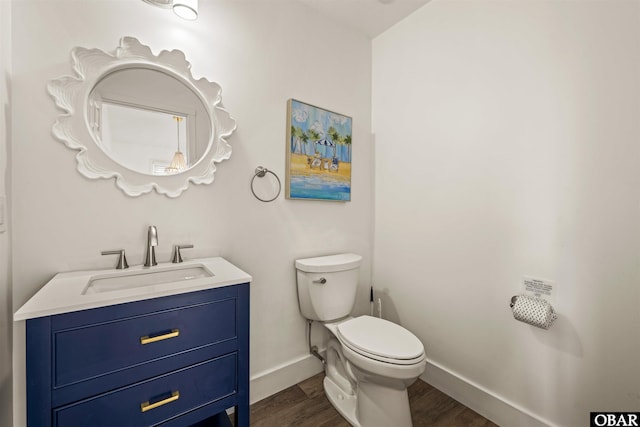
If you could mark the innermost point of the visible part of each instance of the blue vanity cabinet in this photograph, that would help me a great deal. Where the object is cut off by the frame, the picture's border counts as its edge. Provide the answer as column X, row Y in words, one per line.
column 179, row 360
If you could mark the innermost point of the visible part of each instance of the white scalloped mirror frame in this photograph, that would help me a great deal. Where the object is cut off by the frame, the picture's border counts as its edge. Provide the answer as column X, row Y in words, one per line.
column 71, row 95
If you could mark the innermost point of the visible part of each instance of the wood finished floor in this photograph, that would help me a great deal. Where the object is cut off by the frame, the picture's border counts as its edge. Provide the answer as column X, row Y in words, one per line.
column 305, row 405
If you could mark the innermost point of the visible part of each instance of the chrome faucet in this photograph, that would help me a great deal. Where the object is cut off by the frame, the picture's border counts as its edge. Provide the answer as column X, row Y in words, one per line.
column 152, row 242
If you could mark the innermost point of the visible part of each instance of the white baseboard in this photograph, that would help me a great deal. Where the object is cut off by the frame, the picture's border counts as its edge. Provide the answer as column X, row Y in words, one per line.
column 265, row 383
column 491, row 406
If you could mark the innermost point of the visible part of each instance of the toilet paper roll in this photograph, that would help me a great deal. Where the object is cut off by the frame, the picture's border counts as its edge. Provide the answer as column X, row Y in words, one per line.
column 534, row 311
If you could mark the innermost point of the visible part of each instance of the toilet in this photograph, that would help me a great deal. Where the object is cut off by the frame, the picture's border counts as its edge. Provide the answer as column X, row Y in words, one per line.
column 370, row 362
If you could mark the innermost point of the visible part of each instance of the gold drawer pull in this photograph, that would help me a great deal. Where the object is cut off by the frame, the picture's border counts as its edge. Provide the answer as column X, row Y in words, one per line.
column 146, row 406
column 148, row 340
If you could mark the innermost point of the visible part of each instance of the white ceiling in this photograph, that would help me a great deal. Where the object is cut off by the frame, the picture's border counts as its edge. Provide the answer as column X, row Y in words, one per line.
column 369, row 17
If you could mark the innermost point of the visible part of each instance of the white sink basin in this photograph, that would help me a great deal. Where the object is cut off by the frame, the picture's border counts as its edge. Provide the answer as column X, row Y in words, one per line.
column 145, row 277
column 87, row 289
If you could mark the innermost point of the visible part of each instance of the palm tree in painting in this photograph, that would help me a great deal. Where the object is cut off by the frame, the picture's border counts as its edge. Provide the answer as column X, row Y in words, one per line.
column 347, row 141
column 335, row 138
column 313, row 135
column 304, row 138
column 295, row 139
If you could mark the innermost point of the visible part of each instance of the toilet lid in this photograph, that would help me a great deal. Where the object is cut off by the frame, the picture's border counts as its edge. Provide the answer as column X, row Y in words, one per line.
column 381, row 338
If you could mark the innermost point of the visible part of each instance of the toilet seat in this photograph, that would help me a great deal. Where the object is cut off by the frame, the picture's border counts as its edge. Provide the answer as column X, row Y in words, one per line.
column 381, row 340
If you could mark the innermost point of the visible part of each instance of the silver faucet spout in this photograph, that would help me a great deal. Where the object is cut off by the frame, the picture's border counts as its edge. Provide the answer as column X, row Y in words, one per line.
column 152, row 242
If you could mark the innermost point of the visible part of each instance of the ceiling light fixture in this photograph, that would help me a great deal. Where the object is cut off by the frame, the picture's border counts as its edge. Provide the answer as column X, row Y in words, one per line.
column 186, row 9
column 165, row 4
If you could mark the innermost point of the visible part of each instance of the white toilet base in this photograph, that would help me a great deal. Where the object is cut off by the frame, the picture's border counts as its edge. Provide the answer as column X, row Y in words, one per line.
column 376, row 406
column 382, row 405
column 344, row 403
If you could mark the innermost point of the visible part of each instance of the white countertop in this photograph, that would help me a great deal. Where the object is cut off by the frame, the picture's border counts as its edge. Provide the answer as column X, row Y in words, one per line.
column 65, row 292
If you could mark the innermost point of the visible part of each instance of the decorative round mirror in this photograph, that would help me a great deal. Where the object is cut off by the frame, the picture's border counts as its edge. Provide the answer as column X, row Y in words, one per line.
column 141, row 119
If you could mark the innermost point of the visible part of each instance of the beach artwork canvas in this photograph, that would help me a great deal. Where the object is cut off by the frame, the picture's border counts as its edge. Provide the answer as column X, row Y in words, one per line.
column 318, row 153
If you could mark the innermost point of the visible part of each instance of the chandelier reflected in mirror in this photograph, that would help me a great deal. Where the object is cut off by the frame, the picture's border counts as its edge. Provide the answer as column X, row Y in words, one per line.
column 178, row 163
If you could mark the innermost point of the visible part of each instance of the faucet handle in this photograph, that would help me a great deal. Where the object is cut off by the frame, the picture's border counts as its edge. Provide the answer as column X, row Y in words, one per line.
column 122, row 259
column 177, row 256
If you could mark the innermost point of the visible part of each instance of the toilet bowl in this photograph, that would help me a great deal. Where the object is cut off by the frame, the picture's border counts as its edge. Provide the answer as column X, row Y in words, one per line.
column 369, row 362
column 379, row 361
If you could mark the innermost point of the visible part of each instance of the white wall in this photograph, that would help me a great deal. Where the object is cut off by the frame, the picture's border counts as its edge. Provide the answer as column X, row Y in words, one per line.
column 5, row 242
column 261, row 53
column 506, row 138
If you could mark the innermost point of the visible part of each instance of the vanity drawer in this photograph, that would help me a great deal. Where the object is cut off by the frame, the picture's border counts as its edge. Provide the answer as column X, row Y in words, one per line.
column 92, row 350
column 156, row 400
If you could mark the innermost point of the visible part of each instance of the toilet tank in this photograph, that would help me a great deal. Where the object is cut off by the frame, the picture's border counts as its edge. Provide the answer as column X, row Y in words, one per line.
column 331, row 298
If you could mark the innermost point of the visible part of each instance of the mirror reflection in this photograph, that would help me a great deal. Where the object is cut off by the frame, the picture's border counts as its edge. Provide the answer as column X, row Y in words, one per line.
column 148, row 121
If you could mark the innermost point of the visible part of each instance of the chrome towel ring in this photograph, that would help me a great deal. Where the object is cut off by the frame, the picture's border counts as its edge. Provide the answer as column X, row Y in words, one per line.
column 260, row 173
